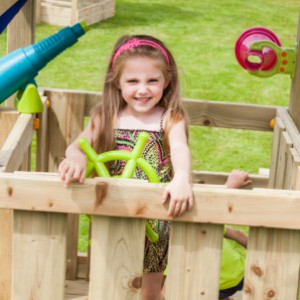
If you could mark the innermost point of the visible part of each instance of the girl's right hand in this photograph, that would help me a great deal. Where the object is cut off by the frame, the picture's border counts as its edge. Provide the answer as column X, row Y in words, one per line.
column 72, row 169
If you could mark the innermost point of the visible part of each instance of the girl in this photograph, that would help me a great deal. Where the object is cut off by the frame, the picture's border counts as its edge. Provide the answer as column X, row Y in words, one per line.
column 141, row 93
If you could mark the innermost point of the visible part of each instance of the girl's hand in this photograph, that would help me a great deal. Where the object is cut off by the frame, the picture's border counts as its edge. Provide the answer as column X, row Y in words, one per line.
column 180, row 192
column 237, row 179
column 72, row 169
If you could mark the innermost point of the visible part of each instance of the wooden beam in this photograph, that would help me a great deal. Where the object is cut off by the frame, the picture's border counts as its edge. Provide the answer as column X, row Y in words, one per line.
column 39, row 255
column 193, row 249
column 229, row 115
column 272, row 264
column 122, row 198
column 219, row 178
column 20, row 32
column 201, row 112
column 290, row 127
column 294, row 105
column 117, row 255
column 17, row 144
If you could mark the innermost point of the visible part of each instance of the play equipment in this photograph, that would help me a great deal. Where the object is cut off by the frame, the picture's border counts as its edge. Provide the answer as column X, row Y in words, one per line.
column 97, row 162
column 19, row 68
column 68, row 12
column 39, row 217
column 259, row 51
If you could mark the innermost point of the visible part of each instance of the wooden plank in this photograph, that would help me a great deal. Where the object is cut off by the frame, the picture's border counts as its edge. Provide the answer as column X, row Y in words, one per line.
column 4, row 5
column 139, row 199
column 207, row 113
column 72, row 249
column 91, row 98
column 290, row 127
column 39, row 255
column 294, row 106
column 17, row 144
column 20, row 31
column 97, row 12
column 285, row 145
column 272, row 264
column 277, row 135
column 193, row 249
column 8, row 118
column 229, row 115
column 219, row 178
column 74, row 11
column 38, row 11
column 295, row 166
column 59, row 16
column 65, row 122
column 6, row 250
column 117, row 249
column 42, row 145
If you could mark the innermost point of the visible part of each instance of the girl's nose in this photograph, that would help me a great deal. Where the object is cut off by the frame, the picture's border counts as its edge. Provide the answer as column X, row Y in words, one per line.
column 143, row 88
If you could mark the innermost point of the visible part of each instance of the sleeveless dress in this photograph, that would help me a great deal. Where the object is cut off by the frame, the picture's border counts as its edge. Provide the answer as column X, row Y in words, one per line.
column 155, row 256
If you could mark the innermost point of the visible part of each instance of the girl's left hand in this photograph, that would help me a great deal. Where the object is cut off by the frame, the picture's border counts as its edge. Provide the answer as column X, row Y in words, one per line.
column 181, row 197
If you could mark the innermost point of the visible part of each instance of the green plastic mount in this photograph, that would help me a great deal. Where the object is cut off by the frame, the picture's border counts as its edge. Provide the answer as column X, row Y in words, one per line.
column 97, row 162
column 286, row 59
column 29, row 100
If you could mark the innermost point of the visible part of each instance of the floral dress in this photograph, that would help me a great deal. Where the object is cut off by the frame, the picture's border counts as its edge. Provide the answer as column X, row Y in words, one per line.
column 155, row 257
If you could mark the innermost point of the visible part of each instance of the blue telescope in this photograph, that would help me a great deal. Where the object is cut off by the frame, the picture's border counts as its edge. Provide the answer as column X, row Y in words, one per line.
column 20, row 67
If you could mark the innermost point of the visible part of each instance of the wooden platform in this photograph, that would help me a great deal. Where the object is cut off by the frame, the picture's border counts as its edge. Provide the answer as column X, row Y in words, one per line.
column 77, row 289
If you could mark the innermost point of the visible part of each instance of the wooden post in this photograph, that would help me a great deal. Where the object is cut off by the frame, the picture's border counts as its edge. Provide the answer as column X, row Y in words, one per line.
column 194, row 261
column 65, row 122
column 117, row 248
column 272, row 265
column 294, row 104
column 20, row 32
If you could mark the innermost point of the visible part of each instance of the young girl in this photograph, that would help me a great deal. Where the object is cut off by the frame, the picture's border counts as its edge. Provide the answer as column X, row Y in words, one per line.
column 141, row 93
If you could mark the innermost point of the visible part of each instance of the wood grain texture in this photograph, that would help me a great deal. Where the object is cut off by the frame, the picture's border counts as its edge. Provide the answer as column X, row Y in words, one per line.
column 117, row 249
column 203, row 112
column 194, row 261
column 39, row 256
column 138, row 199
column 277, row 135
column 272, row 264
column 294, row 106
column 17, row 143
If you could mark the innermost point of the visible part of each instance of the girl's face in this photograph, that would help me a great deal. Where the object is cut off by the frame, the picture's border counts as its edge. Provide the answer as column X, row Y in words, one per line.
column 142, row 83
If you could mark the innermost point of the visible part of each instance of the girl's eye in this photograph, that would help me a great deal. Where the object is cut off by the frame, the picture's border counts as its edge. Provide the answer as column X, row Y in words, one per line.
column 132, row 81
column 153, row 80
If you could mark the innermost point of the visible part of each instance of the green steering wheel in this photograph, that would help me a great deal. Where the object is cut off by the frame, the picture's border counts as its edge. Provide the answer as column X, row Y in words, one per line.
column 97, row 162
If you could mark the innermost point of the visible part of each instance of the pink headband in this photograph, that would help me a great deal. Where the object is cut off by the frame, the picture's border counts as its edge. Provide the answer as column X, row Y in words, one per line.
column 134, row 43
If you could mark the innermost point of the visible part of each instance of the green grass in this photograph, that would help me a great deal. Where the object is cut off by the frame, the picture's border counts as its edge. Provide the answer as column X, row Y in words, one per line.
column 201, row 35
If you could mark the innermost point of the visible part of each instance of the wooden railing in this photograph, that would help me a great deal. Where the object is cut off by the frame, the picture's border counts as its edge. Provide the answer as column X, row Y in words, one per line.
column 38, row 215
column 119, row 207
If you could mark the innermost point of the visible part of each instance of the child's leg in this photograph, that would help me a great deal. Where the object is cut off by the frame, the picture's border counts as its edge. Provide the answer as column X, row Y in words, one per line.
column 151, row 286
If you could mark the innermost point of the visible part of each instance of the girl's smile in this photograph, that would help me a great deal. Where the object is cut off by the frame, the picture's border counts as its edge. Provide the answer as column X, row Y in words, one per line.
column 142, row 83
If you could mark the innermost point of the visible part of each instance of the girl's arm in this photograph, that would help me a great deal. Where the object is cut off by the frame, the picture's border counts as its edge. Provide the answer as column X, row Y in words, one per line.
column 73, row 167
column 236, row 235
column 179, row 190
column 237, row 179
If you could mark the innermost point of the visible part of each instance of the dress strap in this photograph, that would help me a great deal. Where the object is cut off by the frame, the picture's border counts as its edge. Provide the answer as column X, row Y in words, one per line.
column 162, row 120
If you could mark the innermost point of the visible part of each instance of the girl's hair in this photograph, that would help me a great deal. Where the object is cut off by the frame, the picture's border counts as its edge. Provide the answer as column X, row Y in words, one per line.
column 112, row 102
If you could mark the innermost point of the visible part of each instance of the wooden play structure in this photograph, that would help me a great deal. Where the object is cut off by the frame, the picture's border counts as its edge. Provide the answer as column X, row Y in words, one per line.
column 69, row 12
column 39, row 217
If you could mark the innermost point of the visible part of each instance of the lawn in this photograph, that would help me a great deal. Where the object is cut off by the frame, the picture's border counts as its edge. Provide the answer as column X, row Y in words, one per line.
column 201, row 35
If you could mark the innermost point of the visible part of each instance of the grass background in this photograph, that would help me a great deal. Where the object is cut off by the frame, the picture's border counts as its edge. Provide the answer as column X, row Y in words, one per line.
column 201, row 36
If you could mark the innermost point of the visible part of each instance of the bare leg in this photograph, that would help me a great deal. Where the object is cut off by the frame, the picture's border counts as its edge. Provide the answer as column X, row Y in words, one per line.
column 151, row 286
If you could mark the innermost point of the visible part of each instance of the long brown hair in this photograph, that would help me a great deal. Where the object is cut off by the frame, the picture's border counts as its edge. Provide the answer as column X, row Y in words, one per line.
column 112, row 102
